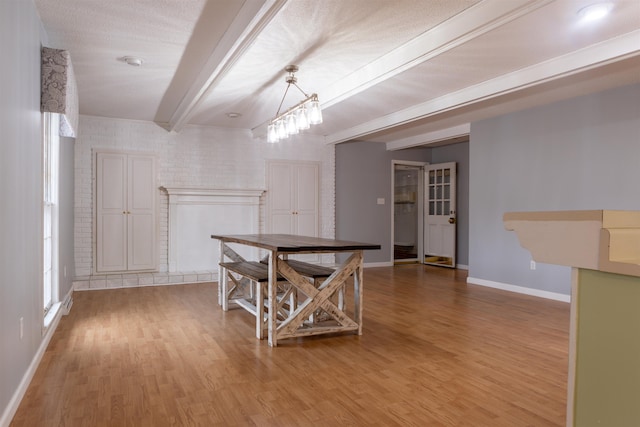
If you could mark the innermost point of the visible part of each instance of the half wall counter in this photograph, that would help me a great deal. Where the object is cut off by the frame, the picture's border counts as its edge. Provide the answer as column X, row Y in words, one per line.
column 603, row 249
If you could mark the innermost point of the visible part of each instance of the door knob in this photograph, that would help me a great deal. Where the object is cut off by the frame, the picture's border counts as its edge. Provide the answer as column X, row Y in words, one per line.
column 452, row 220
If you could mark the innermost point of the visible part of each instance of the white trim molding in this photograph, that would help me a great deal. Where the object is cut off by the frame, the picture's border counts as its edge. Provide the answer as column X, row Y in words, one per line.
column 197, row 213
column 519, row 289
column 199, row 195
column 58, row 310
column 430, row 137
column 377, row 264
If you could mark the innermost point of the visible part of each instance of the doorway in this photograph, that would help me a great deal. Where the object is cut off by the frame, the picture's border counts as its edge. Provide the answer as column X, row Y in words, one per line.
column 407, row 232
column 424, row 213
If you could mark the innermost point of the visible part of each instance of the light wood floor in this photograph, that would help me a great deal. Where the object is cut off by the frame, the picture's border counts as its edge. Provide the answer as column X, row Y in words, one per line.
column 434, row 352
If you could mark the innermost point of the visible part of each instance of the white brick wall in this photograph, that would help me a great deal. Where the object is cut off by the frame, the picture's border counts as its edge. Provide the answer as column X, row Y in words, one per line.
column 196, row 157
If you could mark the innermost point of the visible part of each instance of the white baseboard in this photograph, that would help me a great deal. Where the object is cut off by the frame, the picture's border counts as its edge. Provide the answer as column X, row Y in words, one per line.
column 378, row 264
column 462, row 267
column 520, row 289
column 67, row 302
column 14, row 403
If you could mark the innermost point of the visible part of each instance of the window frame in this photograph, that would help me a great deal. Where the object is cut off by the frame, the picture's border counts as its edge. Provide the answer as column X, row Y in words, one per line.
column 50, row 179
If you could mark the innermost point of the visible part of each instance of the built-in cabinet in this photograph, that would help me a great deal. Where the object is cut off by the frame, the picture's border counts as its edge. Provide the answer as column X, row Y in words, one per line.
column 292, row 198
column 125, row 212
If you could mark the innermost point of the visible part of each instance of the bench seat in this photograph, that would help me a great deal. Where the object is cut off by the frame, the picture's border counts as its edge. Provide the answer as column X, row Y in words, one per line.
column 306, row 269
column 253, row 270
column 255, row 276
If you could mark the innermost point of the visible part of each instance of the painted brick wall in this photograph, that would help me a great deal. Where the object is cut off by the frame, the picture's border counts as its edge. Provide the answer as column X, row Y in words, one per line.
column 196, row 157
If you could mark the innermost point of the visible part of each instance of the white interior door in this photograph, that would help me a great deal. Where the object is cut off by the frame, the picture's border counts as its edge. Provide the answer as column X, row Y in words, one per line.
column 440, row 215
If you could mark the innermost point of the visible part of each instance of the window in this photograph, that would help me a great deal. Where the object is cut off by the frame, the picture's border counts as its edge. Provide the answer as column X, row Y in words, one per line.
column 51, row 142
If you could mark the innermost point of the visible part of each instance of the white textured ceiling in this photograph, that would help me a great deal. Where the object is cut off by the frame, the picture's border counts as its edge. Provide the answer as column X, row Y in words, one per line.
column 403, row 72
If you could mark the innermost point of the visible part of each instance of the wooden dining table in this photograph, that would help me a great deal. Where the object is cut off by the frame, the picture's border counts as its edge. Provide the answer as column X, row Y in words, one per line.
column 320, row 297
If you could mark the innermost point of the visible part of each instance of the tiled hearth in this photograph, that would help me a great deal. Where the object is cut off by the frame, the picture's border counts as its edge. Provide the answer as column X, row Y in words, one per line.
column 130, row 280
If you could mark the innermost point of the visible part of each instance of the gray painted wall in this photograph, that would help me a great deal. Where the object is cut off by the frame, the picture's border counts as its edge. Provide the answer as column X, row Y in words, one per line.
column 20, row 192
column 582, row 153
column 363, row 174
column 458, row 153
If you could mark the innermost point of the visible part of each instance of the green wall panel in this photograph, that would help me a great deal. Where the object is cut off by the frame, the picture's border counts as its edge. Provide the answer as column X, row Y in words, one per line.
column 608, row 350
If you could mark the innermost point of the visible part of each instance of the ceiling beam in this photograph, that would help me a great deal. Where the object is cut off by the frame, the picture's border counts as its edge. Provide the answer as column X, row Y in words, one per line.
column 598, row 55
column 430, row 137
column 252, row 18
column 473, row 22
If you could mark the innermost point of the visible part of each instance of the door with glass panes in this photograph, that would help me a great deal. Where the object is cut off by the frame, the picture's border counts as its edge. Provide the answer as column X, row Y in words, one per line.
column 440, row 215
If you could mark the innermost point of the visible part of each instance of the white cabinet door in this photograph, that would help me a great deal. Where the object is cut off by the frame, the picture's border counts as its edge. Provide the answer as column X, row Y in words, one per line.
column 281, row 200
column 141, row 213
column 111, row 208
column 125, row 212
column 292, row 197
column 305, row 188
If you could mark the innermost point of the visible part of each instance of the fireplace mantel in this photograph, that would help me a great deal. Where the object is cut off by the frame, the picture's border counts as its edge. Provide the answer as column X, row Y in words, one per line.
column 196, row 213
column 183, row 194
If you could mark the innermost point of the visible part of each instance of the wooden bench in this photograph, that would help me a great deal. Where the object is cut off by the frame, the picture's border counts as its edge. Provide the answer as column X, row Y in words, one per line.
column 306, row 269
column 249, row 289
column 253, row 275
column 318, row 273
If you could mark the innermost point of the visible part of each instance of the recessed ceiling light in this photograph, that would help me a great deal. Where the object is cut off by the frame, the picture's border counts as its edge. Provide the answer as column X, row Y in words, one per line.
column 595, row 11
column 233, row 115
column 132, row 60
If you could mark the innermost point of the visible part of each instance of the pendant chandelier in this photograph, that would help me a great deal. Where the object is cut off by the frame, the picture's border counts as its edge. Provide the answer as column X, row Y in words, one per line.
column 297, row 118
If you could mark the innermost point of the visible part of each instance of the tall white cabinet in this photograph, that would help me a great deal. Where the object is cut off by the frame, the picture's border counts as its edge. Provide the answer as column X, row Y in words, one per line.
column 292, row 197
column 125, row 212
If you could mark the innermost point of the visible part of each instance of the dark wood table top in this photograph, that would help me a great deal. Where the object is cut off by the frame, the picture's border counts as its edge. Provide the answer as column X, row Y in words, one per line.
column 289, row 243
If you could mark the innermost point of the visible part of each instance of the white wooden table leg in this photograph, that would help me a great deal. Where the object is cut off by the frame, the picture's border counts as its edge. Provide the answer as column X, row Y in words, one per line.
column 357, row 291
column 272, row 299
column 224, row 286
column 221, row 275
column 259, row 309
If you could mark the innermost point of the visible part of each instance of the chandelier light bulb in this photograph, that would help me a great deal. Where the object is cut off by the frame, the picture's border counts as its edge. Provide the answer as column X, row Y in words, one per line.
column 282, row 129
column 292, row 127
column 315, row 113
column 272, row 134
column 302, row 119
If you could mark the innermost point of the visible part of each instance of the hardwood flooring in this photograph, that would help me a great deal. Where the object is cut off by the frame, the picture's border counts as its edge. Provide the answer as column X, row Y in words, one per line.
column 435, row 351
